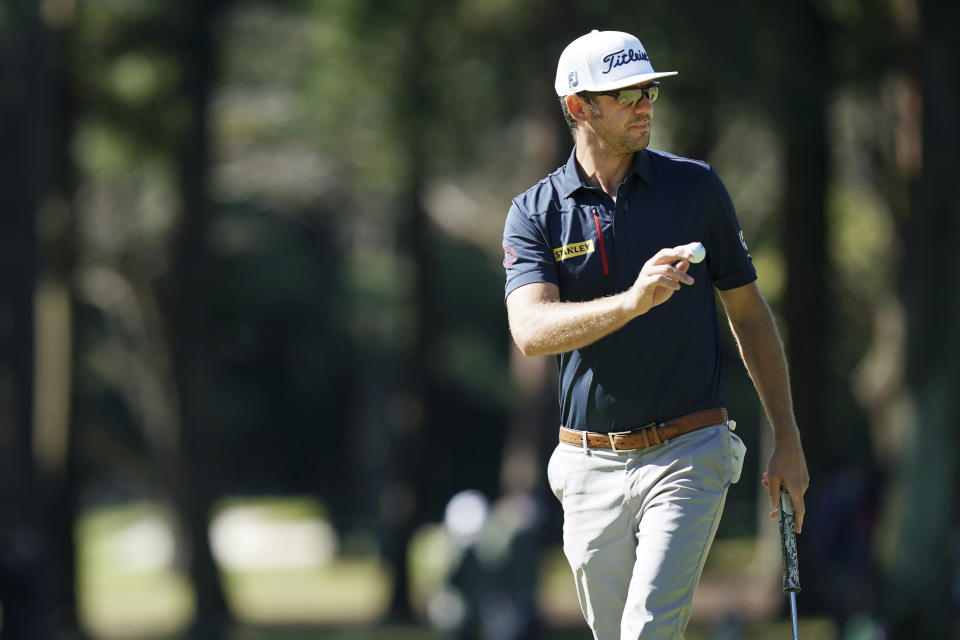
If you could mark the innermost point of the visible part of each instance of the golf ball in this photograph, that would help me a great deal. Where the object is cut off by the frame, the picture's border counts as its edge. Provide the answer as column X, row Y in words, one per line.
column 697, row 252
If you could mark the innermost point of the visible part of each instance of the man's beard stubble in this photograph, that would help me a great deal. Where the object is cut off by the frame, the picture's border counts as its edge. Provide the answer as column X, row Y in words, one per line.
column 619, row 142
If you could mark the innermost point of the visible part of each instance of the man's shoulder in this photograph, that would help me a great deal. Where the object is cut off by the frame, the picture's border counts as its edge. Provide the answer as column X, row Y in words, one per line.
column 671, row 165
column 543, row 197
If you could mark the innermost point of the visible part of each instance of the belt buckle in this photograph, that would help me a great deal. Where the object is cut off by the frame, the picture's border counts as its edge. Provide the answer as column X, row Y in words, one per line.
column 612, row 434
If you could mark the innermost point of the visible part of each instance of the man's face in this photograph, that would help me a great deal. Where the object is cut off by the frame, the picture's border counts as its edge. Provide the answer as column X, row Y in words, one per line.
column 620, row 130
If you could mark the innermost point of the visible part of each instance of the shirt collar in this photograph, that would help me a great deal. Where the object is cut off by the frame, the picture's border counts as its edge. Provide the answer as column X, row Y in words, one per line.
column 570, row 179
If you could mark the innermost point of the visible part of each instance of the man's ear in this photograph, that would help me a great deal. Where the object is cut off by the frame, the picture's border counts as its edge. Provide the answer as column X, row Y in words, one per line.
column 577, row 107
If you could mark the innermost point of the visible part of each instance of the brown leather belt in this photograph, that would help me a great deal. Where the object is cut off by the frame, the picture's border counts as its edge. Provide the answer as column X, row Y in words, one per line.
column 644, row 437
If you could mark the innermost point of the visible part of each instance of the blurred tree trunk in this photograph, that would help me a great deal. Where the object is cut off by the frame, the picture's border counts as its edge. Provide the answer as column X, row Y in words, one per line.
column 408, row 472
column 24, row 104
column 55, row 438
column 920, row 583
column 40, row 483
column 805, row 93
column 194, row 485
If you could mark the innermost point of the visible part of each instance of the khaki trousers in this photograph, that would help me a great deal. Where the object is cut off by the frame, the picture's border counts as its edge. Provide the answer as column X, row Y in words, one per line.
column 638, row 526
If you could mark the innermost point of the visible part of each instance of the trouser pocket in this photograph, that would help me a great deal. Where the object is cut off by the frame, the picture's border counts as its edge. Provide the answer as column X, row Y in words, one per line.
column 738, row 452
column 554, row 473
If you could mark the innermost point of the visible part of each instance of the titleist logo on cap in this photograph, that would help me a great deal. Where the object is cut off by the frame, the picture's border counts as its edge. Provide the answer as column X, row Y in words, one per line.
column 622, row 57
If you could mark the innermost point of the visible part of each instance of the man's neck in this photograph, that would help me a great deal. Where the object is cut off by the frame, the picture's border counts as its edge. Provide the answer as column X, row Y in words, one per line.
column 601, row 170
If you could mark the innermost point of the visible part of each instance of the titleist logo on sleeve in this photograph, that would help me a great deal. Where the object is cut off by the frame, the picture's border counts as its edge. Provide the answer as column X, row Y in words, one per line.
column 622, row 57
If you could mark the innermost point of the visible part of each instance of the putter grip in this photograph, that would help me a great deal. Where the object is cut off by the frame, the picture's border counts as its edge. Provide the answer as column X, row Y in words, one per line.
column 788, row 545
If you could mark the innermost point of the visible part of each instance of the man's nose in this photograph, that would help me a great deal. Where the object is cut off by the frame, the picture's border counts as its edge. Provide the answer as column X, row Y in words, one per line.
column 643, row 105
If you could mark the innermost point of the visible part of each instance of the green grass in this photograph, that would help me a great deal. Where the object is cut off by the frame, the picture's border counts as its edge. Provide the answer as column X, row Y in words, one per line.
column 350, row 591
column 341, row 600
column 819, row 629
column 355, row 633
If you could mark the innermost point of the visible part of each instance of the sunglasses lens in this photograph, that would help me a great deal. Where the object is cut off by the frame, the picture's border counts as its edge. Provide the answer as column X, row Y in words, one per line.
column 629, row 97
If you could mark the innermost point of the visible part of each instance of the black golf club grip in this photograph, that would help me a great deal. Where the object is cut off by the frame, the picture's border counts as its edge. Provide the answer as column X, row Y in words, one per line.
column 788, row 545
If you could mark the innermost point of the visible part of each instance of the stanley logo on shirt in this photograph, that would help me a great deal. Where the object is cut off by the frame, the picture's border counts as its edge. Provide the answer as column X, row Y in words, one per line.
column 573, row 250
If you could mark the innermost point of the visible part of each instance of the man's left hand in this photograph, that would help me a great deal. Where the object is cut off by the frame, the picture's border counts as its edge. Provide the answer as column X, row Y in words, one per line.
column 787, row 469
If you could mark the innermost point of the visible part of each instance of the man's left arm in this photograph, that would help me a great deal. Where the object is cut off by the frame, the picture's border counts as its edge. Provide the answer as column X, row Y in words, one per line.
column 762, row 351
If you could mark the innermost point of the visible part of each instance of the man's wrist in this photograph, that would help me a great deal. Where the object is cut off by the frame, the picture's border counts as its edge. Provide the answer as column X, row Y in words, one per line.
column 629, row 306
column 786, row 435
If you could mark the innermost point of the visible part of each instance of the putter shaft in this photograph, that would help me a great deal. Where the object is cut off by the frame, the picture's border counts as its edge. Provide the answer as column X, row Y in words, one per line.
column 793, row 615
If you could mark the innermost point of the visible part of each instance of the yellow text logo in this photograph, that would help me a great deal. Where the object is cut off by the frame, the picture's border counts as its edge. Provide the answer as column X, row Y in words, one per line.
column 573, row 250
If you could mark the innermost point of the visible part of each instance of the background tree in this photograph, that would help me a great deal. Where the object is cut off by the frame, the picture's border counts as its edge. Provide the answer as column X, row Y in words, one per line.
column 917, row 590
column 195, row 487
column 40, row 486
column 26, row 109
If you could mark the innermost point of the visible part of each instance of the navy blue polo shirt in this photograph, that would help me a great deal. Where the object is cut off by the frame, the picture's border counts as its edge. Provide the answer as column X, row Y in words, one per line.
column 665, row 363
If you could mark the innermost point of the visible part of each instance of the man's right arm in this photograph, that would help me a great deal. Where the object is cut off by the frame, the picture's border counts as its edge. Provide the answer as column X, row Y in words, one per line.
column 543, row 325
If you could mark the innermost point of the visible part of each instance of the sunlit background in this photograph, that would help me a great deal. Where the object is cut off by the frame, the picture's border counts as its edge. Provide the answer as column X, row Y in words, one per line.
column 255, row 374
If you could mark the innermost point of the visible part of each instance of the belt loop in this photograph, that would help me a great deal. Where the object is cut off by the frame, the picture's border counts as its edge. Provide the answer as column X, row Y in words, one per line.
column 655, row 431
column 586, row 449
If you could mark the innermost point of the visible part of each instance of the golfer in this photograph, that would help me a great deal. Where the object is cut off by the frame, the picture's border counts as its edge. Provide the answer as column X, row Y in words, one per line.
column 598, row 274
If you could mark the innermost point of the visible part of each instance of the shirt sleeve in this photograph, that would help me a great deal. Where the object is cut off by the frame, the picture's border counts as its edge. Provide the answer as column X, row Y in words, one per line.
column 526, row 255
column 729, row 259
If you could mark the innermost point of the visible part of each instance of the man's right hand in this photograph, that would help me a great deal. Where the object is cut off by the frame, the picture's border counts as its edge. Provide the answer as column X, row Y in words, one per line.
column 542, row 325
column 660, row 276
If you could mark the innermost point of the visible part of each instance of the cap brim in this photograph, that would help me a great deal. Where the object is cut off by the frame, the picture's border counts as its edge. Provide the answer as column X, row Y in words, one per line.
column 632, row 80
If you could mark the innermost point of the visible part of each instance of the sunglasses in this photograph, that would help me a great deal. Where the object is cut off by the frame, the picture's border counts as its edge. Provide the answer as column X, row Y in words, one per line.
column 630, row 97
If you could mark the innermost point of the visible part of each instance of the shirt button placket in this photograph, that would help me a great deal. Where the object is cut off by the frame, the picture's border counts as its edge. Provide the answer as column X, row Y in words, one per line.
column 618, row 244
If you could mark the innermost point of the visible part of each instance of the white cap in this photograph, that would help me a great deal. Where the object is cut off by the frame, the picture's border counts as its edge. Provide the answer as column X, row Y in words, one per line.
column 603, row 61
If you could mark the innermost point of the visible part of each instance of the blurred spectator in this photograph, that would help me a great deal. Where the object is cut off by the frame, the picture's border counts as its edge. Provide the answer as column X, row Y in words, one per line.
column 491, row 588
